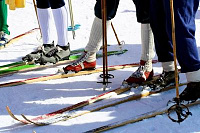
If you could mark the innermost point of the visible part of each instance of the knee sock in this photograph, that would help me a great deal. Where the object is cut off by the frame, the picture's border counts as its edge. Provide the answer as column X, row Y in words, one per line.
column 61, row 22
column 45, row 18
column 95, row 39
column 147, row 46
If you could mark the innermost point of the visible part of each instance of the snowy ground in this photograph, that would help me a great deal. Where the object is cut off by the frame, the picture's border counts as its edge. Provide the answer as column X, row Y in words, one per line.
column 44, row 97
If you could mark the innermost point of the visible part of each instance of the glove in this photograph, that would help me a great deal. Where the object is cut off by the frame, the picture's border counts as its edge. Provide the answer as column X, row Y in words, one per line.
column 13, row 4
column 20, row 3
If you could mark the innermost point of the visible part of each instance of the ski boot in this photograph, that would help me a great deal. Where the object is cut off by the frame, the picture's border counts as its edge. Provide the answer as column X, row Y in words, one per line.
column 140, row 75
column 35, row 55
column 4, row 38
column 81, row 64
column 191, row 92
column 166, row 79
column 59, row 53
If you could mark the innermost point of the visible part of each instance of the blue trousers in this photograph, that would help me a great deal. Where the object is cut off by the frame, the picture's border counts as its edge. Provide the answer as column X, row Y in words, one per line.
column 160, row 20
column 54, row 4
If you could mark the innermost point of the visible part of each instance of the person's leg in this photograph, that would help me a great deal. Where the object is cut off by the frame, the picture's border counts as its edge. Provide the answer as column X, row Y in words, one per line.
column 163, row 45
column 95, row 38
column 4, row 32
column 61, row 22
column 187, row 51
column 88, row 59
column 145, row 71
column 45, row 18
column 62, row 51
column 60, row 15
column 3, row 17
column 164, row 49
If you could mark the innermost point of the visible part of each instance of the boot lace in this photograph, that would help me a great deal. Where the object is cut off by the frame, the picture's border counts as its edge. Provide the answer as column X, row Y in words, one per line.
column 83, row 58
column 139, row 72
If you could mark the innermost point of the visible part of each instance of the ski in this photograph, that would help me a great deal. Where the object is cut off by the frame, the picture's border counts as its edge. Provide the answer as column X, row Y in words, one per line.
column 70, row 108
column 81, row 111
column 78, row 109
column 20, row 67
column 13, row 40
column 73, row 52
column 21, row 63
column 59, row 76
column 135, row 119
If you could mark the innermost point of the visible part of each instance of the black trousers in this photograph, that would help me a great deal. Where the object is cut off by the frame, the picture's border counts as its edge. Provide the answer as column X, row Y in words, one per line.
column 142, row 9
column 54, row 4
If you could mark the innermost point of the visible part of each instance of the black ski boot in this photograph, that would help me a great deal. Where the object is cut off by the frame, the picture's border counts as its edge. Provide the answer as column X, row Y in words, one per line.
column 166, row 79
column 35, row 55
column 55, row 55
column 191, row 92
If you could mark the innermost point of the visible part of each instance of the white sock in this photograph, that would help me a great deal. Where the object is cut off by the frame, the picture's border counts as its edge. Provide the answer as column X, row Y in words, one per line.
column 148, row 65
column 92, row 57
column 95, row 39
column 168, row 66
column 61, row 22
column 45, row 19
column 193, row 76
column 147, row 42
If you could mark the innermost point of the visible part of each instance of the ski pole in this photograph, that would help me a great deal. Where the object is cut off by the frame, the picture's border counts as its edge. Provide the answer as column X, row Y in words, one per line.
column 105, row 74
column 35, row 7
column 119, row 43
column 71, row 18
column 178, row 107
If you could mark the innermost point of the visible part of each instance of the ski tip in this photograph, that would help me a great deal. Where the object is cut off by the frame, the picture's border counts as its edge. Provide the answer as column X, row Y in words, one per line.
column 11, row 114
column 14, row 117
column 8, row 109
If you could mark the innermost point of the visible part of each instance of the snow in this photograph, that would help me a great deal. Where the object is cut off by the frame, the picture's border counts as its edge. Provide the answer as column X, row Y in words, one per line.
column 44, row 97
